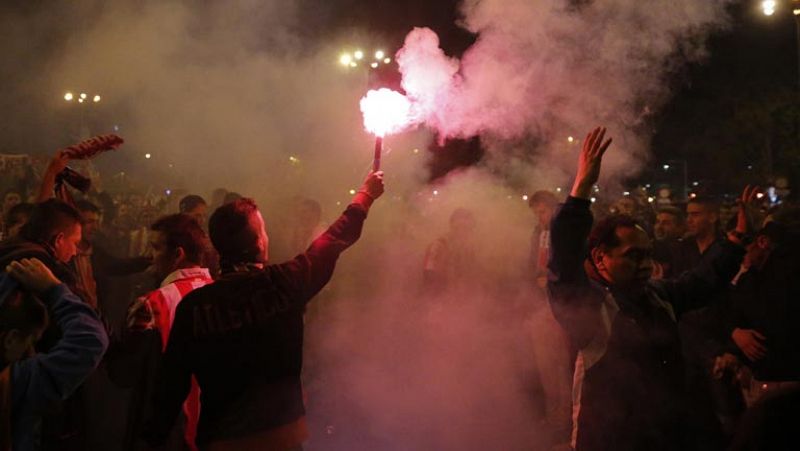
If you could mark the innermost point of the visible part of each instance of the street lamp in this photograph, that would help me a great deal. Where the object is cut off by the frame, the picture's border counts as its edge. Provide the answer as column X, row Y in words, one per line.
column 768, row 7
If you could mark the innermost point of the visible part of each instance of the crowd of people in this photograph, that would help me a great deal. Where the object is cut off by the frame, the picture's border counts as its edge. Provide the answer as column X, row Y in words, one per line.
column 656, row 326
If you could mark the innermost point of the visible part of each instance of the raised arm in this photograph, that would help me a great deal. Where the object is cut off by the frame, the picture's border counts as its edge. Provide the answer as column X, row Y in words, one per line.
column 311, row 270
column 572, row 298
column 49, row 377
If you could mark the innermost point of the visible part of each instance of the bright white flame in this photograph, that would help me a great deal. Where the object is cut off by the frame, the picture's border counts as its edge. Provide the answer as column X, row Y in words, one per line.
column 379, row 55
column 385, row 111
column 358, row 54
column 147, row 155
column 345, row 59
column 96, row 98
column 83, row 95
column 68, row 96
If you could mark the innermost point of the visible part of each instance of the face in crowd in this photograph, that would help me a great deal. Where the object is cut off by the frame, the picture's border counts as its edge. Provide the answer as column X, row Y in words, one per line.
column 701, row 219
column 65, row 244
column 667, row 226
column 628, row 263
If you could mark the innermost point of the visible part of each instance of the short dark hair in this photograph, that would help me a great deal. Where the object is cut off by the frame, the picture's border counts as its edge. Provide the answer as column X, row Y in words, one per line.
column 706, row 201
column 672, row 211
column 231, row 231
column 18, row 213
column 190, row 202
column 604, row 233
column 543, row 197
column 84, row 206
column 22, row 311
column 48, row 219
column 183, row 231
column 231, row 197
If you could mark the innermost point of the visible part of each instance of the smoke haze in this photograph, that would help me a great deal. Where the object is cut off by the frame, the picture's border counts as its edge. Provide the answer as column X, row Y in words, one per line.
column 225, row 93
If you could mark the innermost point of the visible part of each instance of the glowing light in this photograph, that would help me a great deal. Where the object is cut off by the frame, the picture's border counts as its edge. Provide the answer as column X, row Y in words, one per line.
column 358, row 55
column 415, row 150
column 695, row 183
column 387, row 60
column 666, row 167
column 626, row 193
column 768, row 6
column 379, row 55
column 96, row 98
column 558, row 190
column 693, row 195
column 651, row 199
column 385, row 111
column 796, row 12
column 293, row 159
column 68, row 96
column 83, row 95
column 570, row 139
column 147, row 155
column 352, row 192
column 760, row 196
column 435, row 192
column 594, row 199
column 524, row 197
column 80, row 100
column 345, row 59
column 168, row 192
column 353, row 64
column 374, row 65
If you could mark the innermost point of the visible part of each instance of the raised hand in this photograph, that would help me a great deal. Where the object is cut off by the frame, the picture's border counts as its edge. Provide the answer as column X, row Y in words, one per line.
column 33, row 274
column 589, row 162
column 373, row 185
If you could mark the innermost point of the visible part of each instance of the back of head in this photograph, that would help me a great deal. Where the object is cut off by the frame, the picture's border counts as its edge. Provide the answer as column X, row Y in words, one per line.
column 231, row 197
column 18, row 214
column 183, row 231
column 707, row 202
column 19, row 309
column 48, row 219
column 543, row 197
column 190, row 202
column 233, row 232
column 84, row 206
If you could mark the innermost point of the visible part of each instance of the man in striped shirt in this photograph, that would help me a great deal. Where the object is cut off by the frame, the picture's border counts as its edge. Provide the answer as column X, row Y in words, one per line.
column 178, row 245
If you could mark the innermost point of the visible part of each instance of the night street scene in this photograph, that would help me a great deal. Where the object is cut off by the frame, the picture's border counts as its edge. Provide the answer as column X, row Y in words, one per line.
column 410, row 225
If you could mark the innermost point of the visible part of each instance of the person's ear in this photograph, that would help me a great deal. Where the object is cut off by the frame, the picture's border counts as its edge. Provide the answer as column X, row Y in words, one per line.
column 180, row 255
column 58, row 240
column 597, row 258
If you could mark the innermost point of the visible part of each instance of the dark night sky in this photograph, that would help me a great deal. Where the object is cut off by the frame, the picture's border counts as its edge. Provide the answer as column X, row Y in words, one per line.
column 756, row 55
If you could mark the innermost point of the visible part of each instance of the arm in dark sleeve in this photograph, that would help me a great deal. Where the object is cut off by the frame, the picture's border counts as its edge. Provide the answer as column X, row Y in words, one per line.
column 130, row 354
column 310, row 271
column 573, row 298
column 49, row 377
column 693, row 289
column 112, row 265
column 174, row 378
